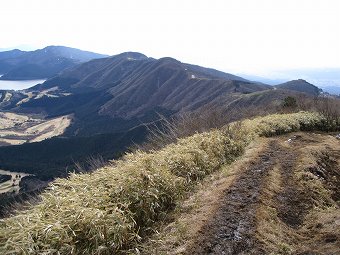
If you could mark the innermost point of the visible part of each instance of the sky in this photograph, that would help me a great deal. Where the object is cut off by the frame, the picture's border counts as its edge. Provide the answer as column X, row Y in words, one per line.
column 242, row 36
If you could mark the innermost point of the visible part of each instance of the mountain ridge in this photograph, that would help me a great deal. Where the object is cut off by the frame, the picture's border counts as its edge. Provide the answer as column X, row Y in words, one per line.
column 41, row 63
column 131, row 85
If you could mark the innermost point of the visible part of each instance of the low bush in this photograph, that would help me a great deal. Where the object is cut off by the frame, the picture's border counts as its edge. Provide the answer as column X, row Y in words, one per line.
column 330, row 109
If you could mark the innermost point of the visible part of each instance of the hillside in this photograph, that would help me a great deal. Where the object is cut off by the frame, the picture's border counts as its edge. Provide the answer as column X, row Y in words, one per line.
column 57, row 156
column 10, row 54
column 116, row 208
column 300, row 86
column 41, row 64
column 117, row 93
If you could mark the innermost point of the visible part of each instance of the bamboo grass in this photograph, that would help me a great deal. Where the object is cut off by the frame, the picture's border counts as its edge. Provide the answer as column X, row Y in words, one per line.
column 106, row 212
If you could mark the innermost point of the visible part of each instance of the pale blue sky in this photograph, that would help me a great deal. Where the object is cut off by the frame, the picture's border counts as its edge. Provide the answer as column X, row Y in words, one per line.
column 232, row 35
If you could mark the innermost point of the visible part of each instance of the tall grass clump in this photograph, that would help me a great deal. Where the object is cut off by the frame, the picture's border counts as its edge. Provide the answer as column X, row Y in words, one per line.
column 166, row 131
column 277, row 124
column 109, row 210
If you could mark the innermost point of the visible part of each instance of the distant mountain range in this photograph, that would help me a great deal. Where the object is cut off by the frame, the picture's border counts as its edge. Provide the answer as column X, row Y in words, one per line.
column 328, row 79
column 42, row 63
column 128, row 89
column 110, row 99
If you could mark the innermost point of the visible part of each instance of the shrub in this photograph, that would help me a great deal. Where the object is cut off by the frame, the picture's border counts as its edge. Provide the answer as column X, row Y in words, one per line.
column 289, row 102
column 330, row 109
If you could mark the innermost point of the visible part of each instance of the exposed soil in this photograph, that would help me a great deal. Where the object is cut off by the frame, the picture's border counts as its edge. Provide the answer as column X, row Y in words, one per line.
column 293, row 203
column 234, row 227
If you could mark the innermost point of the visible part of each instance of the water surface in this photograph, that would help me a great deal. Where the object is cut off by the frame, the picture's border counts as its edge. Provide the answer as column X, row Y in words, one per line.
column 18, row 85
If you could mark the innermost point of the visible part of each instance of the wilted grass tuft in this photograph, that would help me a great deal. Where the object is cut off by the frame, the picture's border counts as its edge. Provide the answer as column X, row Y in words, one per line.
column 107, row 211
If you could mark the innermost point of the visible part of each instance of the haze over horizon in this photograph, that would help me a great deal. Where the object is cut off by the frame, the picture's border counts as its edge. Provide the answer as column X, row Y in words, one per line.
column 255, row 37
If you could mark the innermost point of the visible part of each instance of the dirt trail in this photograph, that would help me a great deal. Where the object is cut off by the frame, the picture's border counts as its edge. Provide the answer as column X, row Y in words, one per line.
column 233, row 228
column 293, row 204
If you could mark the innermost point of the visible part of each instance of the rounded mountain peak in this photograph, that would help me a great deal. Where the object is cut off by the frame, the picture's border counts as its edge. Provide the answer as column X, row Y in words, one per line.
column 169, row 60
column 131, row 55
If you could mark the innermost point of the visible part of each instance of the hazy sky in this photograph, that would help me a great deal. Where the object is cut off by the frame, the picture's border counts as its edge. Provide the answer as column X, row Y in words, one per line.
column 252, row 36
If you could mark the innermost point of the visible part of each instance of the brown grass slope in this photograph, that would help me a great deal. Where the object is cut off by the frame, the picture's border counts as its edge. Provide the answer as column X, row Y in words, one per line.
column 111, row 209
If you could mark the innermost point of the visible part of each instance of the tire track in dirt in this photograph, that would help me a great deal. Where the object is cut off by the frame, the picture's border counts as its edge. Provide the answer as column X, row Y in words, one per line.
column 232, row 230
column 294, row 202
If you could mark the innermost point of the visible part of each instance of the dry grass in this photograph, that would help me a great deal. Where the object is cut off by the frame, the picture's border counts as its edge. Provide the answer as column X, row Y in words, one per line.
column 91, row 163
column 277, row 124
column 166, row 131
column 9, row 120
column 174, row 236
column 17, row 129
column 49, row 128
column 110, row 209
column 107, row 210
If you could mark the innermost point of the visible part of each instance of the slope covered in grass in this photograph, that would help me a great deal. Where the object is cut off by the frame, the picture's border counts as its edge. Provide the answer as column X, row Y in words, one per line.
column 110, row 209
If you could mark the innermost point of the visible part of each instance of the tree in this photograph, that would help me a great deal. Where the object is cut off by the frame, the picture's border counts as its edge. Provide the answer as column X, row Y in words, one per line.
column 289, row 102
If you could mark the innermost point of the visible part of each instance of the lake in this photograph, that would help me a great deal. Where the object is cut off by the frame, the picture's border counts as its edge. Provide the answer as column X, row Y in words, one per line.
column 18, row 85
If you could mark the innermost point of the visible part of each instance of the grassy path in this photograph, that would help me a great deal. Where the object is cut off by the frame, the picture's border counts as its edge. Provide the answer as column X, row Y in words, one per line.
column 282, row 199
